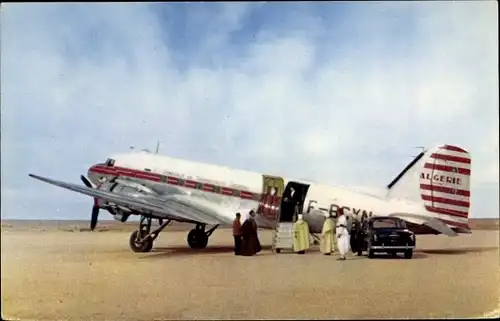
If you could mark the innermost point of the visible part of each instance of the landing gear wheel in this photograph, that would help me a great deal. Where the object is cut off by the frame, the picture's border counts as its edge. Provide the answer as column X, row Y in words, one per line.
column 140, row 247
column 408, row 254
column 197, row 239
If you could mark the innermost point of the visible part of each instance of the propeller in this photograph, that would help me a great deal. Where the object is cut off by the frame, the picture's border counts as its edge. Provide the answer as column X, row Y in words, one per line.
column 95, row 214
column 95, row 208
column 86, row 181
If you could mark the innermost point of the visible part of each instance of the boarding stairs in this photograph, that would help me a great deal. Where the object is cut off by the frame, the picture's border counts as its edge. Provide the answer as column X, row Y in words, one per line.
column 283, row 237
column 283, row 233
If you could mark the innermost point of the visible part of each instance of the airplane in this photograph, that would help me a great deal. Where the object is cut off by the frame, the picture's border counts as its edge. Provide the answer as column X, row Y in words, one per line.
column 431, row 194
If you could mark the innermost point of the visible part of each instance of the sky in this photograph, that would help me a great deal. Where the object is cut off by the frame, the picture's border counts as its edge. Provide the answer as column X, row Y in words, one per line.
column 340, row 93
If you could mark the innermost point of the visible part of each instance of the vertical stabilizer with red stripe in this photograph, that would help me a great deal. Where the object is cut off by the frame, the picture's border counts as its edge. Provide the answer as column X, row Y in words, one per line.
column 440, row 179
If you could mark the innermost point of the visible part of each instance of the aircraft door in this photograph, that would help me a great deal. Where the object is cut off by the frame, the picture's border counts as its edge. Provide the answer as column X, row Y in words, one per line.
column 272, row 191
column 293, row 200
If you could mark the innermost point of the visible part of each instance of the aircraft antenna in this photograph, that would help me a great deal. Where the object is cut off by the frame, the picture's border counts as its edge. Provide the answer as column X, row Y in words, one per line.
column 157, row 146
column 422, row 149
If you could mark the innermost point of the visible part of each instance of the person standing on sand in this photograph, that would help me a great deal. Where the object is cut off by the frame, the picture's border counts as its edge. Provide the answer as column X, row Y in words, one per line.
column 300, row 235
column 251, row 243
column 342, row 233
column 327, row 236
column 356, row 238
column 237, row 234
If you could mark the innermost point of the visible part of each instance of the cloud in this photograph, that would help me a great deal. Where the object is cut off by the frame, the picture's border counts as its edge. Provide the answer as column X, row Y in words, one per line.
column 335, row 92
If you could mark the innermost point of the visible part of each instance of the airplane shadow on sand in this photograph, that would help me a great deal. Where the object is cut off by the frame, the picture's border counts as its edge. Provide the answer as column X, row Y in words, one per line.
column 384, row 256
column 182, row 250
column 424, row 253
column 466, row 250
column 159, row 252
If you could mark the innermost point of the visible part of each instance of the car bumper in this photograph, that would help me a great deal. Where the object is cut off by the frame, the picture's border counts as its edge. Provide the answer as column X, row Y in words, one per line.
column 393, row 247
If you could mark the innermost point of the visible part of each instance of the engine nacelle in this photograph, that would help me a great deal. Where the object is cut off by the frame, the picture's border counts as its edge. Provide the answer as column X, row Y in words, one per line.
column 122, row 217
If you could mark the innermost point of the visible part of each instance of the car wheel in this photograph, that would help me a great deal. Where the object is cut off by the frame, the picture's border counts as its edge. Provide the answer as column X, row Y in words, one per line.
column 371, row 253
column 408, row 254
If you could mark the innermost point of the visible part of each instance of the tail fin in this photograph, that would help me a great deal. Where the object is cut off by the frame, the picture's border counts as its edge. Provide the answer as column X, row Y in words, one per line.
column 439, row 178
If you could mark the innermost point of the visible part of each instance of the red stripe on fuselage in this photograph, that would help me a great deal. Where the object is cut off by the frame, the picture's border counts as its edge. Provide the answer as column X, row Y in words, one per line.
column 226, row 191
column 115, row 171
column 246, row 195
column 172, row 180
column 125, row 172
column 208, row 187
column 190, row 184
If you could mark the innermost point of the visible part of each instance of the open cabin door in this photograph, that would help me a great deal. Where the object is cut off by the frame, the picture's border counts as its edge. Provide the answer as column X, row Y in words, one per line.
column 292, row 201
column 272, row 192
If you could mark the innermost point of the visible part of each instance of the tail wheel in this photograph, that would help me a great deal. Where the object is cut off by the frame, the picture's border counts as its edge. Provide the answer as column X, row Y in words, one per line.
column 140, row 246
column 197, row 239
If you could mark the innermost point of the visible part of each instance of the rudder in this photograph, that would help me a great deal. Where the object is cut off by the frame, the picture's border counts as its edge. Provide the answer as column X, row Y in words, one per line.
column 445, row 185
column 440, row 179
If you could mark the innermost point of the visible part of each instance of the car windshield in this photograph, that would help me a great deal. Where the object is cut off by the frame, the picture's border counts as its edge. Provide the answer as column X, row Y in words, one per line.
column 389, row 223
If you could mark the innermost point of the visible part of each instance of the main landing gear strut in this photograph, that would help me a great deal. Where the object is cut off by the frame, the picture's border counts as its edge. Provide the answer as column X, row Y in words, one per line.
column 142, row 239
column 198, row 237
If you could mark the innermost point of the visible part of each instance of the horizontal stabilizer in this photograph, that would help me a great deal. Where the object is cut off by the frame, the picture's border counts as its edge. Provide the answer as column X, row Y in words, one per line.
column 431, row 222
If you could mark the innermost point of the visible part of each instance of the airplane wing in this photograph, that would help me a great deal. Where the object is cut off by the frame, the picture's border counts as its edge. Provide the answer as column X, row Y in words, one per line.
column 433, row 223
column 177, row 205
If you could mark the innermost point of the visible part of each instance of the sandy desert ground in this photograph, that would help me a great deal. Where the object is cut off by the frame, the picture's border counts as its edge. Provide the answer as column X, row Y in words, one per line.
column 49, row 272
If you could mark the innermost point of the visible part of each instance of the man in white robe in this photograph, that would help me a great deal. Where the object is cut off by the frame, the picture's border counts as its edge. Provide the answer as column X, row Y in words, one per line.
column 327, row 236
column 342, row 233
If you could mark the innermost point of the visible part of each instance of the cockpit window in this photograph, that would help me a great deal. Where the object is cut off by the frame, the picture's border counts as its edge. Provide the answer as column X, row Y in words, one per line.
column 109, row 162
column 124, row 189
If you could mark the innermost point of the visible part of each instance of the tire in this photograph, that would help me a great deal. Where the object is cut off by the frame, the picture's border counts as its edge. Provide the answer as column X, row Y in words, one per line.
column 408, row 254
column 278, row 251
column 143, row 247
column 197, row 239
column 371, row 253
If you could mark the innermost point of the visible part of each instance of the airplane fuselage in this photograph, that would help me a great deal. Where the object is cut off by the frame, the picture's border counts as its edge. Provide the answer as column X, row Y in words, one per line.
column 241, row 191
column 431, row 194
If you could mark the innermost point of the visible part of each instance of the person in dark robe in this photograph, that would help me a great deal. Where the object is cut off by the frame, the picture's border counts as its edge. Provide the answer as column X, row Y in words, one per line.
column 250, row 243
column 355, row 236
column 290, row 206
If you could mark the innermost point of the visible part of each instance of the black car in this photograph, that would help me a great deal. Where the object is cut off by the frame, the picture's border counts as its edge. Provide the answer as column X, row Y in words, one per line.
column 386, row 234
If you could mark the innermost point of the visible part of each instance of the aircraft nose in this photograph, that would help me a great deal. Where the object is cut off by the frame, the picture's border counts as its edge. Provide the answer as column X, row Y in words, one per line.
column 93, row 175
